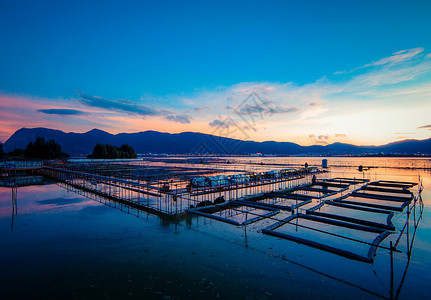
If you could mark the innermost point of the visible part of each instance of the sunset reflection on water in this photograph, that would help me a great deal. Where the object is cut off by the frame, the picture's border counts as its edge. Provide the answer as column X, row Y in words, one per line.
column 58, row 232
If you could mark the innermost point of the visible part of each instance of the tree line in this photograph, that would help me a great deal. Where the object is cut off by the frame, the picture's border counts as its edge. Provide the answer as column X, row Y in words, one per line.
column 105, row 151
column 41, row 149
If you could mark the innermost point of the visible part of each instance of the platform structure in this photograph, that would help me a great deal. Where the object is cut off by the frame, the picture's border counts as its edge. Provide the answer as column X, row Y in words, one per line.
column 332, row 226
column 359, row 217
column 350, row 210
column 176, row 188
column 289, row 199
column 11, row 166
column 348, row 217
column 359, row 220
column 19, row 181
column 235, row 212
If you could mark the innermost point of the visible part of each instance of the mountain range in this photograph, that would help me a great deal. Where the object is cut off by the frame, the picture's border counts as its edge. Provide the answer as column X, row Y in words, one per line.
column 199, row 143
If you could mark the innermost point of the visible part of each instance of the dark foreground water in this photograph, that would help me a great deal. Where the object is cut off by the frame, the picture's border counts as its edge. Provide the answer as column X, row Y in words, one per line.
column 61, row 245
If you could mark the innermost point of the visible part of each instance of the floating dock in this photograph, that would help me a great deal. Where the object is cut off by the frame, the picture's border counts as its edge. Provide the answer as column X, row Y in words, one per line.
column 293, row 204
column 360, row 217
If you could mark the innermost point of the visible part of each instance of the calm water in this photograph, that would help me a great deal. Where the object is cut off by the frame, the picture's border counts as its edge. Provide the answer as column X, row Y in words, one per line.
column 61, row 244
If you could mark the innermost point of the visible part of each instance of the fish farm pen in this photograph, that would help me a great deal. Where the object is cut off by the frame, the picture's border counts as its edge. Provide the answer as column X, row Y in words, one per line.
column 354, row 218
column 172, row 190
column 286, row 202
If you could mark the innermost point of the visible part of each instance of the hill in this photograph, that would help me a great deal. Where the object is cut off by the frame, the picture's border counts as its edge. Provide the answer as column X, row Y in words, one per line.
column 199, row 143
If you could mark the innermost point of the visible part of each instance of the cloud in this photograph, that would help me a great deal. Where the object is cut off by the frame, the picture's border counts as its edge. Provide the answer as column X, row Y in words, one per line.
column 389, row 94
column 18, row 111
column 249, row 109
column 62, row 111
column 397, row 57
column 424, row 127
column 387, row 76
column 183, row 119
column 319, row 139
column 133, row 108
column 282, row 109
column 323, row 137
column 216, row 123
column 120, row 105
column 252, row 109
column 222, row 124
column 202, row 108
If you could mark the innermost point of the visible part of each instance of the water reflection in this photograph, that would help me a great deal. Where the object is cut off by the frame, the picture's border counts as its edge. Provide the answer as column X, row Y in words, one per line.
column 14, row 205
column 62, row 218
column 410, row 241
column 395, row 285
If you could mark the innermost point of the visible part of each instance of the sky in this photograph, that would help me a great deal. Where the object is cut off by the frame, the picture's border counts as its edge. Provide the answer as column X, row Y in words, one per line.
column 308, row 72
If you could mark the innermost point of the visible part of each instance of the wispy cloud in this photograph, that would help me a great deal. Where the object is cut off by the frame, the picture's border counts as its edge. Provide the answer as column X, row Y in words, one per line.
column 202, row 108
column 221, row 124
column 388, row 76
column 341, row 135
column 370, row 97
column 183, row 119
column 321, row 139
column 397, row 57
column 425, row 127
column 324, row 139
column 133, row 108
column 120, row 105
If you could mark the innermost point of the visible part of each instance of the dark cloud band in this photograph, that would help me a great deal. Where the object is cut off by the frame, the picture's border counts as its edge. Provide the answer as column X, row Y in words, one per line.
column 62, row 111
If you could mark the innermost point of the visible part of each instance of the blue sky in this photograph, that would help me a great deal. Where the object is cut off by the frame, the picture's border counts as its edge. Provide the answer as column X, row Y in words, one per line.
column 159, row 63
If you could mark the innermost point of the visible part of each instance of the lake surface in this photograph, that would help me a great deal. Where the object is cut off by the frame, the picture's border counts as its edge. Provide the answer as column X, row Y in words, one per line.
column 60, row 244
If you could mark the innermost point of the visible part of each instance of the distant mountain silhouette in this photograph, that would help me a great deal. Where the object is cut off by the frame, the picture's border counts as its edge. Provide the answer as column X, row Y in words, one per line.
column 199, row 143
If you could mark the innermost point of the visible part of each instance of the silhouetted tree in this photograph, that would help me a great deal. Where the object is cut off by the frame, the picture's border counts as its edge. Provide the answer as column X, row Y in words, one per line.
column 105, row 151
column 100, row 151
column 113, row 152
column 1, row 150
column 128, row 151
column 16, row 153
column 42, row 149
